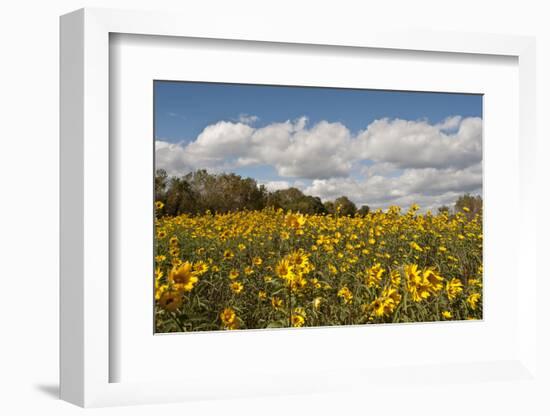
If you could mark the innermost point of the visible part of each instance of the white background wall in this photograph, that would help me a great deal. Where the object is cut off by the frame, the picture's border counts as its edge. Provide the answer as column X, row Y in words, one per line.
column 29, row 57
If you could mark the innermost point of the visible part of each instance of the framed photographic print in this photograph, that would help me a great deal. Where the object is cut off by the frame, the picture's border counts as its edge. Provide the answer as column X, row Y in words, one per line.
column 326, row 206
column 286, row 213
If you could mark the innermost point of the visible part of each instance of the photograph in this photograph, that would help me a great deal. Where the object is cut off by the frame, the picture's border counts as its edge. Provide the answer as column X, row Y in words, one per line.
column 298, row 206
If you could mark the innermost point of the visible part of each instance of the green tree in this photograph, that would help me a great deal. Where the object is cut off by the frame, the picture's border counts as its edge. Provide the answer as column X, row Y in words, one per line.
column 330, row 207
column 161, row 182
column 344, row 206
column 200, row 191
column 180, row 198
column 292, row 199
column 473, row 205
column 364, row 210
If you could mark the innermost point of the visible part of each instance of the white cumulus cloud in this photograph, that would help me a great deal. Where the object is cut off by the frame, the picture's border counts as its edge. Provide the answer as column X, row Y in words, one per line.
column 171, row 157
column 273, row 186
column 392, row 161
column 248, row 119
column 428, row 187
column 418, row 144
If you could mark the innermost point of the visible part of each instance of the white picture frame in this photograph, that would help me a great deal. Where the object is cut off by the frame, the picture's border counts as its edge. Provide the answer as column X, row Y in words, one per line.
column 85, row 353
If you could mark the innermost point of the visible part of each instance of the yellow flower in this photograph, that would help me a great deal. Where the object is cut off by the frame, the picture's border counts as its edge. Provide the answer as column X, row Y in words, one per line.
column 298, row 317
column 158, row 274
column 391, row 297
column 159, row 288
column 276, row 302
column 170, row 300
column 434, row 280
column 159, row 205
column 386, row 304
column 297, row 320
column 324, row 262
column 284, row 269
column 200, row 267
column 228, row 318
column 297, row 282
column 345, row 294
column 395, row 278
column 415, row 246
column 473, row 300
column 315, row 283
column 374, row 275
column 381, row 307
column 475, row 282
column 298, row 259
column 377, row 307
column 317, row 303
column 453, row 288
column 183, row 276
column 295, row 221
column 236, row 287
column 416, row 285
column 413, row 208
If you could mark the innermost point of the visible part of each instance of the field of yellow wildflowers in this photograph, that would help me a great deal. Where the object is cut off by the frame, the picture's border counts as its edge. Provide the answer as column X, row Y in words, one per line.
column 274, row 269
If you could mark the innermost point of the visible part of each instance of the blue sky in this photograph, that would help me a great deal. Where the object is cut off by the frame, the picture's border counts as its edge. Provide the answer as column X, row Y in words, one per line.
column 370, row 141
column 184, row 109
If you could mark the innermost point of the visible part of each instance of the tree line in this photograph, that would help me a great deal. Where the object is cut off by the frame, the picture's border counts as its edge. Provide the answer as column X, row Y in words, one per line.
column 200, row 191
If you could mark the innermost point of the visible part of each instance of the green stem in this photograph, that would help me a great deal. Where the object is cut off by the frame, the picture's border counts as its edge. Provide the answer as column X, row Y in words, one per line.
column 175, row 319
